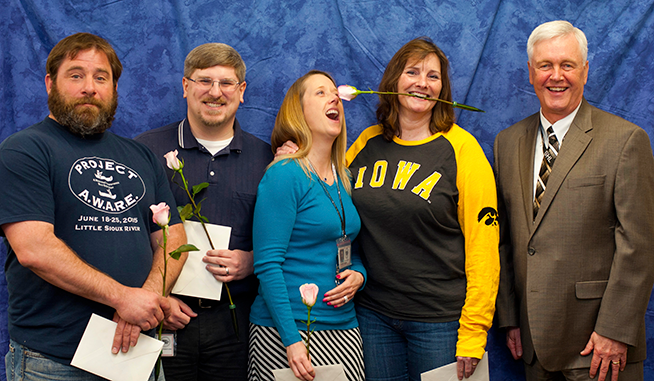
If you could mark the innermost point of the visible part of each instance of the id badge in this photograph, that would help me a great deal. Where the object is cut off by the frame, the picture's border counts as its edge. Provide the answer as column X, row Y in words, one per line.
column 344, row 256
column 170, row 344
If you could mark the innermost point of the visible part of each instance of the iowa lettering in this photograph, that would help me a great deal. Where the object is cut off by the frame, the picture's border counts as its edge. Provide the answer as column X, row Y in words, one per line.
column 405, row 170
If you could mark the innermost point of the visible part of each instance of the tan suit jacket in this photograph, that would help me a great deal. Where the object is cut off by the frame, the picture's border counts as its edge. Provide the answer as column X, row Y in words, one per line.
column 586, row 263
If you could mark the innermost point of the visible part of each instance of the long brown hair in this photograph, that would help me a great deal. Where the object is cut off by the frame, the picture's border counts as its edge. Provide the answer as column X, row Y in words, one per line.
column 388, row 111
column 291, row 125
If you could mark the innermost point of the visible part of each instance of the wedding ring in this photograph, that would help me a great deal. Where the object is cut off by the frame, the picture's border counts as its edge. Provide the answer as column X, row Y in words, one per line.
column 615, row 362
column 345, row 297
column 226, row 271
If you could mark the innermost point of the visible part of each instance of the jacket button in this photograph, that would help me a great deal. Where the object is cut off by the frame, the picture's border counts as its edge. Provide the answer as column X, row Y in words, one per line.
column 531, row 251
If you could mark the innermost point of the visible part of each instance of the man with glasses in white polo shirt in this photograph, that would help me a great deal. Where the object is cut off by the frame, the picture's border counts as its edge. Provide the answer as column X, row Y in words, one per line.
column 215, row 150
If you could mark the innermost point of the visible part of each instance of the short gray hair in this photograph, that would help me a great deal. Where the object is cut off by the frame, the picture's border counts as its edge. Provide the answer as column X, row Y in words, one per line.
column 214, row 54
column 555, row 29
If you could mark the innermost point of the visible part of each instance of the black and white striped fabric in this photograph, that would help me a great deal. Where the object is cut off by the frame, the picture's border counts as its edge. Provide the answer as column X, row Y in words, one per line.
column 329, row 347
column 549, row 156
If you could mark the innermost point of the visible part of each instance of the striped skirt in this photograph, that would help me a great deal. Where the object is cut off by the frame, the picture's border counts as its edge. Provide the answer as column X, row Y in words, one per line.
column 329, row 347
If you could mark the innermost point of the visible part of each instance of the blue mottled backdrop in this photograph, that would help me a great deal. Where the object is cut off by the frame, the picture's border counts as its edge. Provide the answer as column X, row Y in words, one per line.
column 280, row 40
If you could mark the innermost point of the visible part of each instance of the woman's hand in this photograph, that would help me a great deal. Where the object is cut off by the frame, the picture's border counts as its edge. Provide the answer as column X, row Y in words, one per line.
column 344, row 292
column 288, row 148
column 465, row 366
column 299, row 362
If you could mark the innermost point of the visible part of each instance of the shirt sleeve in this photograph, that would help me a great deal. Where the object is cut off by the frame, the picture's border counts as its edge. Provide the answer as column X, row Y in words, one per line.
column 477, row 213
column 632, row 271
column 27, row 193
column 275, row 211
column 357, row 263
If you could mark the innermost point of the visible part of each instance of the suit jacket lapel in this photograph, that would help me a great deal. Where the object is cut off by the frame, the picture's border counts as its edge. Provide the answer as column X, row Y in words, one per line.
column 526, row 146
column 574, row 144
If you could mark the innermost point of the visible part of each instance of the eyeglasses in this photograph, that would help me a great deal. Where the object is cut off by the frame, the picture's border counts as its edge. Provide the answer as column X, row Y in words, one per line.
column 225, row 85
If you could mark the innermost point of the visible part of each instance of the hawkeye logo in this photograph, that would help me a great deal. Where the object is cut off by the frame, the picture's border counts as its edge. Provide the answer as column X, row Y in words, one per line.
column 489, row 215
column 105, row 185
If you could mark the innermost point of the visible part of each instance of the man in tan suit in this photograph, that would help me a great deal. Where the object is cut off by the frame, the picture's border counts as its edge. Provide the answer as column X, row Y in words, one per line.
column 576, row 203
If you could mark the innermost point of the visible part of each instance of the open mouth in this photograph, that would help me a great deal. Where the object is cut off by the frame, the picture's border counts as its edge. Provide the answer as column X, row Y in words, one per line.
column 332, row 114
column 557, row 89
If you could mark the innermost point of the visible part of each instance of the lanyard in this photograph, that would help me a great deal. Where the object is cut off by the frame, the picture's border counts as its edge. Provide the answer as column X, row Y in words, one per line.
column 338, row 188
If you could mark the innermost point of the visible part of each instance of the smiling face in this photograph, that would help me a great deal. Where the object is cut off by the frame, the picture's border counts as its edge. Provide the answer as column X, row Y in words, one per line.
column 558, row 73
column 421, row 78
column 83, row 96
column 212, row 108
column 322, row 108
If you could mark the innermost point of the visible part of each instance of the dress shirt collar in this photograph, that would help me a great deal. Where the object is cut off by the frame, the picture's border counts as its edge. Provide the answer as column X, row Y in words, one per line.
column 560, row 127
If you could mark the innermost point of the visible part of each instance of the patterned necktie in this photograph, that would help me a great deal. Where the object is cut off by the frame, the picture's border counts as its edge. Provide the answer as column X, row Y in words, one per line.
column 549, row 156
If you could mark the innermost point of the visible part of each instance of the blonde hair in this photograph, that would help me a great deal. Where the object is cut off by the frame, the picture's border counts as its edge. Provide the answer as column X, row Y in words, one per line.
column 291, row 125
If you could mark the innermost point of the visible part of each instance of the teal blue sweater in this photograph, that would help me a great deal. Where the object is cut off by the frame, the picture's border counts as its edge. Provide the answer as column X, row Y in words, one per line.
column 294, row 235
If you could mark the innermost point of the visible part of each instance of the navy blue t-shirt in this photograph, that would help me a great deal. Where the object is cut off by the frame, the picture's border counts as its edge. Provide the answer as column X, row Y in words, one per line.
column 96, row 191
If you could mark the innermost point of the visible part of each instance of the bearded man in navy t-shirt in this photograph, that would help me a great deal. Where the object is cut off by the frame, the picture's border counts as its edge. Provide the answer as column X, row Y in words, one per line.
column 75, row 215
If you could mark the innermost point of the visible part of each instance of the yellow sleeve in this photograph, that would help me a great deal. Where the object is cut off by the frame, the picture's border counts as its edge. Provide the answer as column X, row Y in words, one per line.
column 477, row 214
column 361, row 141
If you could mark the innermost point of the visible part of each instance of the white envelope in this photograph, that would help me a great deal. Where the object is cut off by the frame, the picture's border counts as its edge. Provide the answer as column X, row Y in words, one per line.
column 94, row 355
column 448, row 372
column 323, row 373
column 195, row 280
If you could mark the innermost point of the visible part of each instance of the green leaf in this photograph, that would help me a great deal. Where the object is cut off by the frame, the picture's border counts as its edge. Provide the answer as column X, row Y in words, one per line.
column 182, row 249
column 199, row 187
column 187, row 247
column 185, row 212
column 203, row 218
column 199, row 206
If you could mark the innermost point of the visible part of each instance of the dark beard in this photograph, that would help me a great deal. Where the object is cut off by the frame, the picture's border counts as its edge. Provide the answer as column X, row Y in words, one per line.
column 86, row 121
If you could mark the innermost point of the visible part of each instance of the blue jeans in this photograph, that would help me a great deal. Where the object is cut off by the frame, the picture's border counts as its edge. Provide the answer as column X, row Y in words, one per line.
column 24, row 364
column 400, row 350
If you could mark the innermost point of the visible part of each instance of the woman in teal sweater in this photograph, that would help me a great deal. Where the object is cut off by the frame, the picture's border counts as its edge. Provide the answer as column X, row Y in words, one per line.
column 304, row 217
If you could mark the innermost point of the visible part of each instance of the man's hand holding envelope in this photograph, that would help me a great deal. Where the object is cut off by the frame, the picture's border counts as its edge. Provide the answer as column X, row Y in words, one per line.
column 94, row 353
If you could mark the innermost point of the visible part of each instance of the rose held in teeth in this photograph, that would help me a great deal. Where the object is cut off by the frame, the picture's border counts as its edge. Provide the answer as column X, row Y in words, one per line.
column 421, row 78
